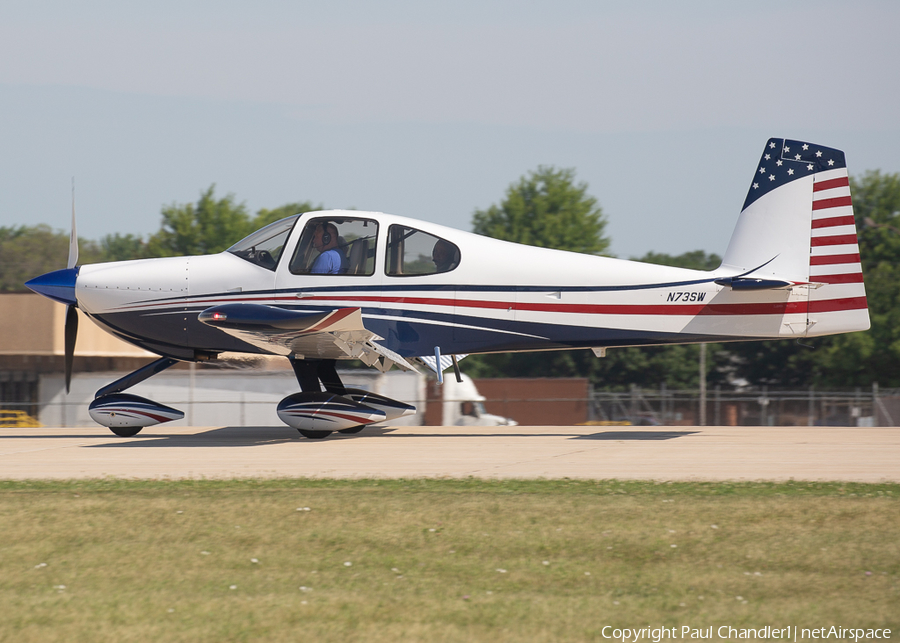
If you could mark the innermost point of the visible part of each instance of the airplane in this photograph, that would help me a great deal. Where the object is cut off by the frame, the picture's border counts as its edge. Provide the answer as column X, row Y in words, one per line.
column 325, row 286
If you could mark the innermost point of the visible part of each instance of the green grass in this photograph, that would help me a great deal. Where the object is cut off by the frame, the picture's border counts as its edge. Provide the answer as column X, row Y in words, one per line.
column 425, row 558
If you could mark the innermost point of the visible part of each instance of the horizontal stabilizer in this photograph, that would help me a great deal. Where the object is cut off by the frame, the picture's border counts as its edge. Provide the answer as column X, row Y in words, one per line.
column 749, row 283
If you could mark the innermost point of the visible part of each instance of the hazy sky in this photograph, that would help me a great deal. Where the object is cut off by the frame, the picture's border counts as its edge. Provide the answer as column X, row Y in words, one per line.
column 431, row 110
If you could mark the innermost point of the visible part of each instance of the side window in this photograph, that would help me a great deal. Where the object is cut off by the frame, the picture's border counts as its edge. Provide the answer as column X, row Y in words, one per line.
column 413, row 252
column 336, row 246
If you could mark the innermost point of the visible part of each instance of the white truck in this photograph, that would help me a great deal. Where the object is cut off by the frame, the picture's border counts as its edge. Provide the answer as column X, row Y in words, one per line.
column 464, row 405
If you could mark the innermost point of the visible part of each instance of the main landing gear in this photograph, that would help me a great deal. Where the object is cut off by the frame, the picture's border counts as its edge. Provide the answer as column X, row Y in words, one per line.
column 316, row 414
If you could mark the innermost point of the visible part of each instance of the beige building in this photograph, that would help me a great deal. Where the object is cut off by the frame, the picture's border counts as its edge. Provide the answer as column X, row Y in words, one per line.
column 34, row 325
column 32, row 344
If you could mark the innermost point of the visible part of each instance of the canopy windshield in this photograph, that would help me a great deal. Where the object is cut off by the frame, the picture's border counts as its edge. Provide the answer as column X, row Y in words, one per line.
column 264, row 247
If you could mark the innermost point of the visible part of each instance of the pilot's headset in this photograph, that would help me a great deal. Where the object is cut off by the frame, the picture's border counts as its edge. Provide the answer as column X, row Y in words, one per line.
column 326, row 233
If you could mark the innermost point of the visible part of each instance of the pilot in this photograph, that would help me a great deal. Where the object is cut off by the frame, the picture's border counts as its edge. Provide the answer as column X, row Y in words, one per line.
column 444, row 256
column 330, row 260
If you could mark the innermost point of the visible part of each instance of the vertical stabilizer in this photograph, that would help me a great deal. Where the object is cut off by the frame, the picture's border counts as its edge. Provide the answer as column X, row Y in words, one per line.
column 797, row 226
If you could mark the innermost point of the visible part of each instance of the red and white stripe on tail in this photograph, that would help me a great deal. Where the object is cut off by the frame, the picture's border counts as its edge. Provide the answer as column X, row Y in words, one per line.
column 837, row 298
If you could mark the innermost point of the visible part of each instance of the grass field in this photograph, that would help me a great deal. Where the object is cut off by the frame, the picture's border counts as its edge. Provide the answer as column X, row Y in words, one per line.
column 439, row 560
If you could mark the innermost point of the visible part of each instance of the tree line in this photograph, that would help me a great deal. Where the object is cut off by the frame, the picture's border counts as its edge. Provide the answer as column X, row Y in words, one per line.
column 549, row 208
column 208, row 226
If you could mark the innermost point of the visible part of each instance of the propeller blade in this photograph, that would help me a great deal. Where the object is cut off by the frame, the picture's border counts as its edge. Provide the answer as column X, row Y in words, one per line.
column 73, row 237
column 71, row 333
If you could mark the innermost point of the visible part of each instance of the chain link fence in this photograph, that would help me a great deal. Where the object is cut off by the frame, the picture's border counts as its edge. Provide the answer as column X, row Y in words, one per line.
column 636, row 406
column 764, row 407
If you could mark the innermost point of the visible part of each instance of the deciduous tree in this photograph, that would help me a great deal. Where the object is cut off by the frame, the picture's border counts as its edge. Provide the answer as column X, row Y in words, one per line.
column 208, row 226
column 29, row 251
column 548, row 209
column 264, row 217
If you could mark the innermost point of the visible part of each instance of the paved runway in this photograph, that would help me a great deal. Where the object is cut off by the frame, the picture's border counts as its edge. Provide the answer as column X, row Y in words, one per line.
column 657, row 453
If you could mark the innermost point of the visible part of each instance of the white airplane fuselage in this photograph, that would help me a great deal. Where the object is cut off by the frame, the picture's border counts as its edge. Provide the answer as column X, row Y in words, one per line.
column 501, row 297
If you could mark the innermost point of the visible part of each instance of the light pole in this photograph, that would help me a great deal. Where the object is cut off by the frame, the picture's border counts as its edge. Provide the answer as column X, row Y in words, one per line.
column 702, row 384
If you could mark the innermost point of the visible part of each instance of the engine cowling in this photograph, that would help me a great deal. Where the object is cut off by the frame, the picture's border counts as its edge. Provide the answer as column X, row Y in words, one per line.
column 393, row 409
column 326, row 412
column 125, row 410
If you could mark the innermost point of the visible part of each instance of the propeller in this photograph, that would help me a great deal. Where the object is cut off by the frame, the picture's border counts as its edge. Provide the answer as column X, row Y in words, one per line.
column 71, row 329
column 70, row 334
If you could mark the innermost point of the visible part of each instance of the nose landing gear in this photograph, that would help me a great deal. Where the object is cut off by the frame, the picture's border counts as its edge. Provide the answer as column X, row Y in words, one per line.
column 125, row 414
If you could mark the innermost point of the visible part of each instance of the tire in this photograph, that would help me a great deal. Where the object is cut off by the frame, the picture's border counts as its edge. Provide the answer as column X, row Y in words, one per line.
column 126, row 431
column 314, row 435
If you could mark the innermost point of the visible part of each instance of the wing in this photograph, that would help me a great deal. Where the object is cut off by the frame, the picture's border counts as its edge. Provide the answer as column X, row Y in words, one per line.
column 337, row 334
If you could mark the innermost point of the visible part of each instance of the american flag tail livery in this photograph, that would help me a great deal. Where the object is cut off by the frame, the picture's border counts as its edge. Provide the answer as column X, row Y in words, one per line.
column 797, row 231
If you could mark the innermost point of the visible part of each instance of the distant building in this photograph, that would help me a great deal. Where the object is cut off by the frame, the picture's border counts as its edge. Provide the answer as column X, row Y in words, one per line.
column 32, row 345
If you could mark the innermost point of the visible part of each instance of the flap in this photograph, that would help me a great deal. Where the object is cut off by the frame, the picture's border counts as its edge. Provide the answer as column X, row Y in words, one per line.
column 335, row 334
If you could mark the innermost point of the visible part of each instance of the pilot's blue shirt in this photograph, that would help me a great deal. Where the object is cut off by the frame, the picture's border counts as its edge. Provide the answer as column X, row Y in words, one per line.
column 328, row 263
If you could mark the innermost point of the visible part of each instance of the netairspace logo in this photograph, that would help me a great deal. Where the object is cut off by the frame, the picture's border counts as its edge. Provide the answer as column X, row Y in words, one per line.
column 788, row 633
